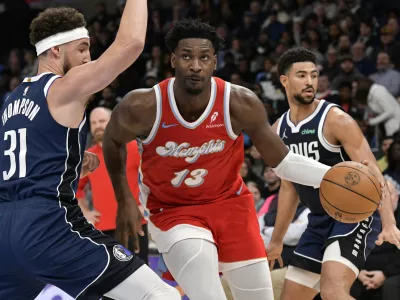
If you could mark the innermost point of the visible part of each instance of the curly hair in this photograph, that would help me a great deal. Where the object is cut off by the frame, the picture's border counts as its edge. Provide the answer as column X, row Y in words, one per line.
column 53, row 21
column 192, row 28
column 292, row 56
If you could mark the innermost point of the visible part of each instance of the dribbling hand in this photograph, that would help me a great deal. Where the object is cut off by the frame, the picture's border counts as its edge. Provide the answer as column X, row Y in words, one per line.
column 390, row 233
column 274, row 251
column 129, row 223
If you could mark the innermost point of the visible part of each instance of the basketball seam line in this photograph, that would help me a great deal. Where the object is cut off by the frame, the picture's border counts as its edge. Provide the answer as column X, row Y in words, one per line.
column 350, row 190
column 377, row 190
column 347, row 212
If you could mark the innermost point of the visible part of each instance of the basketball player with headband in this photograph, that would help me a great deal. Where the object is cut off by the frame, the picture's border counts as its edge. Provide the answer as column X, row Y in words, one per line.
column 45, row 237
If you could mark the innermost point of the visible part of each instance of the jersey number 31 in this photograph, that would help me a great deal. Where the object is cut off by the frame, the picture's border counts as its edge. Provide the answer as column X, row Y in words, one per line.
column 12, row 136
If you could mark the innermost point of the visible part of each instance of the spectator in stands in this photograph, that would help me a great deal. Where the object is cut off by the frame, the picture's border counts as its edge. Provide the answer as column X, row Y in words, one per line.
column 344, row 94
column 361, row 61
column 103, row 215
column 246, row 172
column 392, row 172
column 14, row 83
column 255, row 191
column 380, row 102
column 109, row 99
column 393, row 24
column 390, row 46
column 31, row 64
column 344, row 45
column 331, row 66
column 380, row 279
column 324, row 90
column 385, row 75
column 367, row 38
column 272, row 183
column 383, row 161
column 348, row 72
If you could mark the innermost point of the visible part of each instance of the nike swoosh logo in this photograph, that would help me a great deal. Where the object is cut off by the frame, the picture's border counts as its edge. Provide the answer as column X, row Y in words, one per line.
column 168, row 126
column 240, row 190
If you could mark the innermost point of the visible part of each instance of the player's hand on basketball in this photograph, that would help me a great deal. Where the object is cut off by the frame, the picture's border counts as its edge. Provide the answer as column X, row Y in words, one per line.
column 390, row 233
column 89, row 164
column 274, row 251
column 129, row 223
column 378, row 174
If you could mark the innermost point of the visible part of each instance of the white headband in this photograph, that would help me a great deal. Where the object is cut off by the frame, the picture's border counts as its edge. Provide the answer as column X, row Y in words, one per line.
column 61, row 38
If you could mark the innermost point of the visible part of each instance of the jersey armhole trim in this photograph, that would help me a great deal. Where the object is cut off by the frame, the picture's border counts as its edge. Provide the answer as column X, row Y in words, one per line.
column 49, row 83
column 154, row 130
column 227, row 115
column 328, row 146
column 278, row 128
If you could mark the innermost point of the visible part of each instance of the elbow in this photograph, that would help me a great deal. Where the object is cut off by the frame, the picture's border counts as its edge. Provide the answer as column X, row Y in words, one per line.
column 134, row 47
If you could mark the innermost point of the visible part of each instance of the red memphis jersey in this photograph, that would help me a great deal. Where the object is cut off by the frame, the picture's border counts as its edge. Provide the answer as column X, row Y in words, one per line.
column 191, row 163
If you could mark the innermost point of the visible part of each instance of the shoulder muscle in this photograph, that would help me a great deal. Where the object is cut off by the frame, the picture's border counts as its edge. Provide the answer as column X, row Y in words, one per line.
column 134, row 115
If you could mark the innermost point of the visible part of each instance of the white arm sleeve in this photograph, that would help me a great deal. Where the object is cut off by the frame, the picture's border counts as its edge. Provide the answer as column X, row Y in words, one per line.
column 300, row 169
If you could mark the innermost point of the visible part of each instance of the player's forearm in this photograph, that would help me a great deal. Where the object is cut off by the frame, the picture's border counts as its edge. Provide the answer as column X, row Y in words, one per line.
column 386, row 211
column 300, row 169
column 133, row 25
column 115, row 159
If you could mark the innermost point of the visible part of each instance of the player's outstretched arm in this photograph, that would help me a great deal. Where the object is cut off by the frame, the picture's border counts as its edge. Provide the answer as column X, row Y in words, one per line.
column 341, row 128
column 248, row 114
column 133, row 117
column 87, row 79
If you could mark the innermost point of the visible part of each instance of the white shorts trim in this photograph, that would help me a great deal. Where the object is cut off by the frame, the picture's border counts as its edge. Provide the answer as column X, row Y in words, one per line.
column 304, row 277
column 333, row 253
column 226, row 267
column 312, row 280
column 164, row 240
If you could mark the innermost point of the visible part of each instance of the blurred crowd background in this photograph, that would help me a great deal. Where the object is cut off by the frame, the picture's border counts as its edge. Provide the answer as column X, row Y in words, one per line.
column 357, row 44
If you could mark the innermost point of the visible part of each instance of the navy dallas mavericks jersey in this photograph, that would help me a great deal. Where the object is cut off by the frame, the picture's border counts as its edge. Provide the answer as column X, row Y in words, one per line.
column 39, row 157
column 307, row 139
column 355, row 241
column 45, row 237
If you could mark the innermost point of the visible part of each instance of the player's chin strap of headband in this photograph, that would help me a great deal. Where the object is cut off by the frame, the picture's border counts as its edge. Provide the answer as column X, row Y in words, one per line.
column 61, row 38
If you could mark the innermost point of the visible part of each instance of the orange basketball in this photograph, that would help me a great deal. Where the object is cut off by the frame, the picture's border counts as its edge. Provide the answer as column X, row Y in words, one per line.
column 350, row 192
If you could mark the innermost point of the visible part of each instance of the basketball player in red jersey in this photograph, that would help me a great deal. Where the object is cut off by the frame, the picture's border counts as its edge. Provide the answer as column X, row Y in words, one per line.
column 201, row 215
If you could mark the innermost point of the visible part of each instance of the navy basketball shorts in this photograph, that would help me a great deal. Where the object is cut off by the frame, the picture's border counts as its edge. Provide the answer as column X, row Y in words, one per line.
column 354, row 242
column 43, row 242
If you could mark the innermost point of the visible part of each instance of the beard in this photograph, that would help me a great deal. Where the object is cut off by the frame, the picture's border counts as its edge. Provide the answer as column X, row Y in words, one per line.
column 193, row 91
column 299, row 98
column 98, row 136
column 66, row 65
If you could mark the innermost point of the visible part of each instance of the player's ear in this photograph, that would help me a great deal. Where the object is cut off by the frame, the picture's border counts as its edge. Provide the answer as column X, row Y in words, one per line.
column 284, row 80
column 56, row 50
column 173, row 60
column 215, row 61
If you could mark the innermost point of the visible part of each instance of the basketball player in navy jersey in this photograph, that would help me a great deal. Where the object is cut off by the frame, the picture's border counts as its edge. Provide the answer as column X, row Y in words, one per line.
column 44, row 237
column 329, row 254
